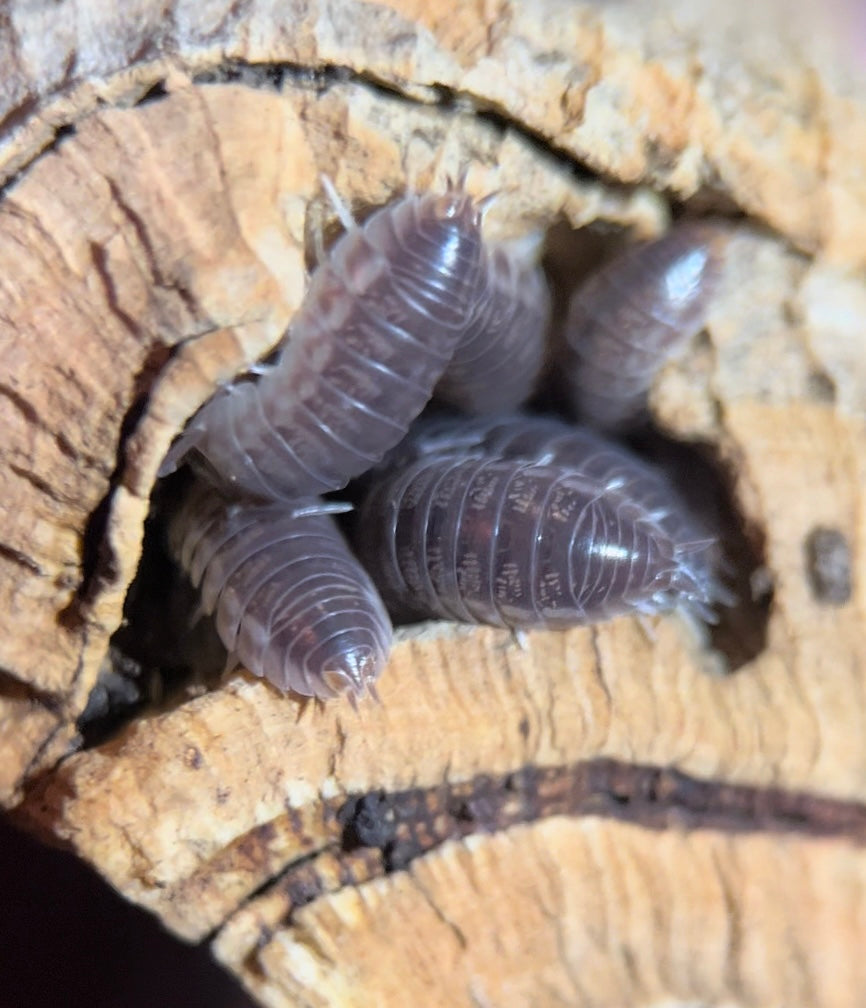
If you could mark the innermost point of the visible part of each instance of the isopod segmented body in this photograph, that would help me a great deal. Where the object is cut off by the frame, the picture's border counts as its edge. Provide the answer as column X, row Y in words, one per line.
column 515, row 544
column 290, row 600
column 375, row 332
column 632, row 315
column 552, row 441
column 496, row 364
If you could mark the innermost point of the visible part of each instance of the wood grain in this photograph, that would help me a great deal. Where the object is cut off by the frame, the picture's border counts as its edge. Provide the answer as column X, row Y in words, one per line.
column 160, row 212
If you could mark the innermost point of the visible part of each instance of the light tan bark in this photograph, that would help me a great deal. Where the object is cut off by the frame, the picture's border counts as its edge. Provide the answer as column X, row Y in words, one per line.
column 161, row 246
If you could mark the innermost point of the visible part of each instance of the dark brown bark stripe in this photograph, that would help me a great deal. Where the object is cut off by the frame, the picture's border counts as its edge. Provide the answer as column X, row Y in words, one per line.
column 380, row 832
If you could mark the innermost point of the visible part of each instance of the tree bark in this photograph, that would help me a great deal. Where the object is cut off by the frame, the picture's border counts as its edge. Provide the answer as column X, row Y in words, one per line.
column 620, row 814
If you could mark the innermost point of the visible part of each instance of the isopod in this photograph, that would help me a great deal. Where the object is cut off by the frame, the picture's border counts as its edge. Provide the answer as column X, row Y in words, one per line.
column 375, row 332
column 496, row 364
column 290, row 600
column 549, row 440
column 516, row 544
column 632, row 315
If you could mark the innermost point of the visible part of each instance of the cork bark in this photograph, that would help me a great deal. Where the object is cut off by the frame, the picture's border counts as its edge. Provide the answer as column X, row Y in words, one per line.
column 624, row 814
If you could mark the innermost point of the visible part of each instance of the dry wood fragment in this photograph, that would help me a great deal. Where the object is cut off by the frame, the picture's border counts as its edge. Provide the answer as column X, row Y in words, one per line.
column 603, row 818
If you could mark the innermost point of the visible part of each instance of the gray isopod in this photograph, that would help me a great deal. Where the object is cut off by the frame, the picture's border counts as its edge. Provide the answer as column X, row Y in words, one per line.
column 516, row 544
column 632, row 315
column 375, row 332
column 497, row 363
column 290, row 601
column 550, row 441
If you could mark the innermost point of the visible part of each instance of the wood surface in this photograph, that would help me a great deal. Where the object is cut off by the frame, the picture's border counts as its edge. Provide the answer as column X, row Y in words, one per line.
column 633, row 813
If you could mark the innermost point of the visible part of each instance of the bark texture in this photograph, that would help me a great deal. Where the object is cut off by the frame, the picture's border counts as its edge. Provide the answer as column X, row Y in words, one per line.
column 602, row 817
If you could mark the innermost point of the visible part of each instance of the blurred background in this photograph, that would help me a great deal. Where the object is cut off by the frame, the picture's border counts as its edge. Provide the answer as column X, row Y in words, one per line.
column 68, row 940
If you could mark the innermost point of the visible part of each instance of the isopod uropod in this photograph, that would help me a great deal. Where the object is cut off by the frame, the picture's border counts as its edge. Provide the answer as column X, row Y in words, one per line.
column 496, row 364
column 516, row 544
column 632, row 315
column 290, row 600
column 375, row 332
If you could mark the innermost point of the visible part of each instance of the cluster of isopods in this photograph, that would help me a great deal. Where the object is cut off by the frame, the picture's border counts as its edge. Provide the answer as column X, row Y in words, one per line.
column 497, row 517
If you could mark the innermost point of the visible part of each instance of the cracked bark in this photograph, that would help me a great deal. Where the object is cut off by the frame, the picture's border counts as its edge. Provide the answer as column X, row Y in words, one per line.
column 603, row 817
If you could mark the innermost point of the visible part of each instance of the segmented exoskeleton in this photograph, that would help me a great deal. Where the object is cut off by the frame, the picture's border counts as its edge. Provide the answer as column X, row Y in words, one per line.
column 376, row 330
column 512, row 520
column 497, row 363
column 632, row 315
column 516, row 544
column 290, row 600
column 551, row 441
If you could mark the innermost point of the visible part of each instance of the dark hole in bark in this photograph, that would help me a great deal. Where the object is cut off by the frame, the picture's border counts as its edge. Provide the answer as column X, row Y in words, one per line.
column 155, row 93
column 163, row 652
column 98, row 563
column 161, row 638
column 828, row 565
column 695, row 469
column 741, row 632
